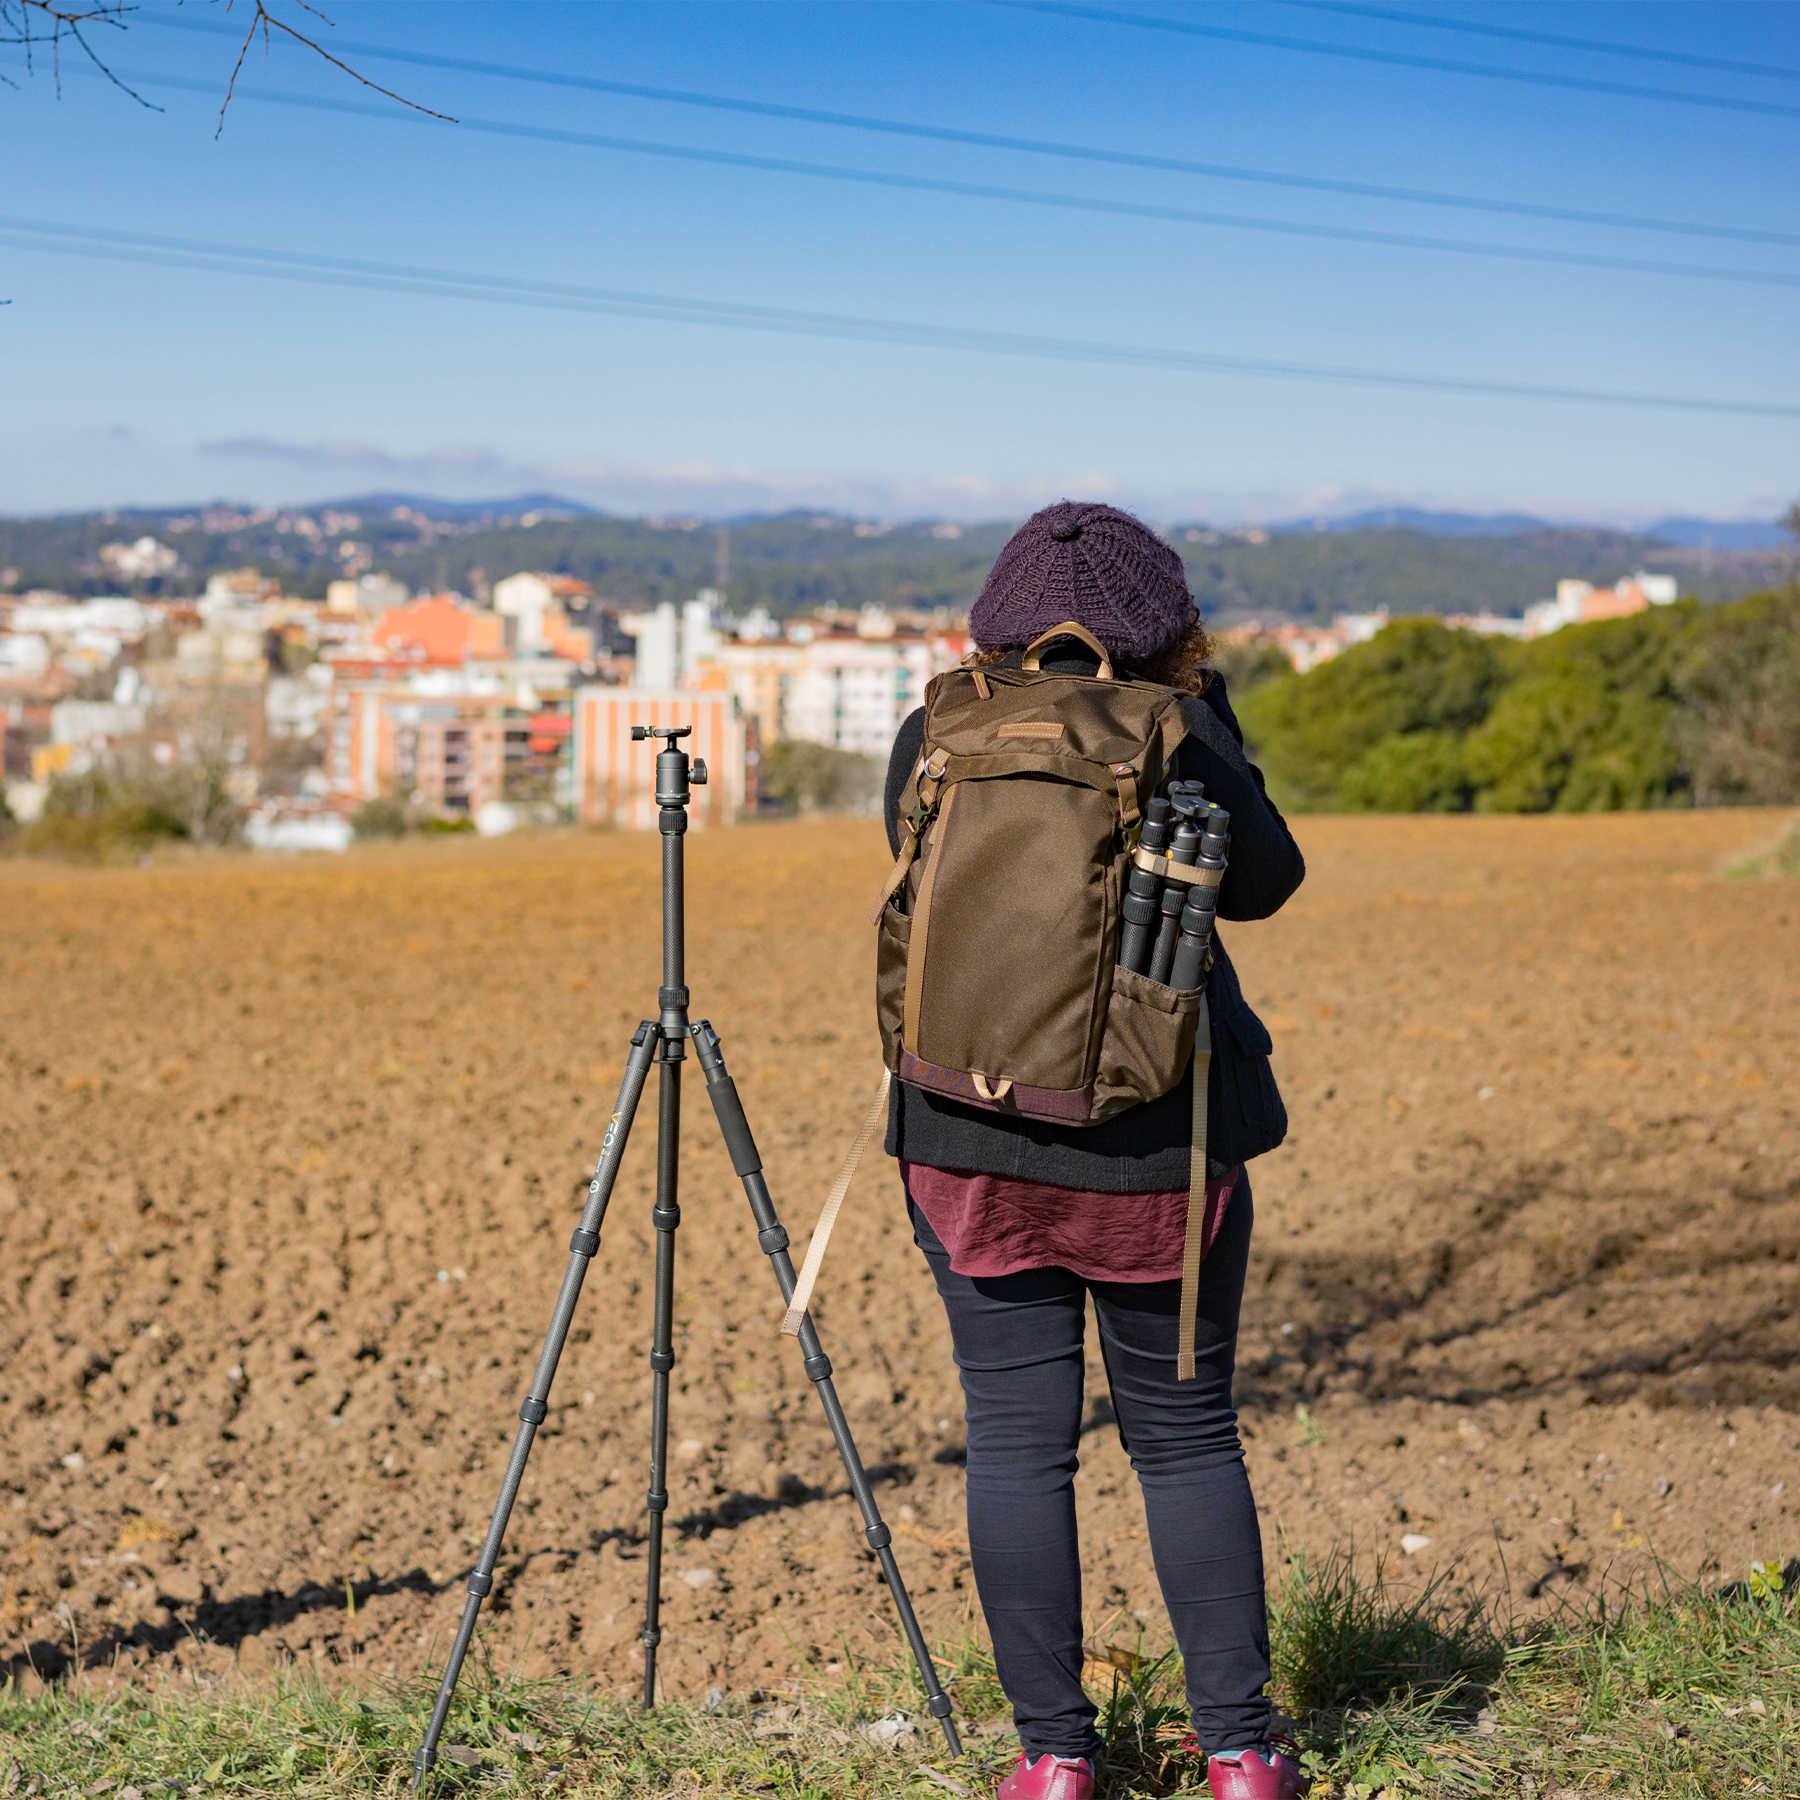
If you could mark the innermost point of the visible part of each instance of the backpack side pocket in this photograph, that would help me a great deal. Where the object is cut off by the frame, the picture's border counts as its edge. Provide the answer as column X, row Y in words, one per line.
column 1148, row 1042
column 893, row 938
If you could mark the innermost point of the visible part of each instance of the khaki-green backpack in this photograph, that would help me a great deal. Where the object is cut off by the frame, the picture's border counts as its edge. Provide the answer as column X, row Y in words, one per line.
column 997, row 975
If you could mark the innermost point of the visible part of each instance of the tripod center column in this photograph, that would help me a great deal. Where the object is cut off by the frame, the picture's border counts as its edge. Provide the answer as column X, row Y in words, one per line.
column 672, row 795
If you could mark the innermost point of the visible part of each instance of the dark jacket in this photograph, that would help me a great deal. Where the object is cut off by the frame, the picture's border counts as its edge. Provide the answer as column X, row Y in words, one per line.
column 1145, row 1149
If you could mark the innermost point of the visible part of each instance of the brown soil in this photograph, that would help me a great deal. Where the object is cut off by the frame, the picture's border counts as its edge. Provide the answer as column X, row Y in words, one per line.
column 289, row 1153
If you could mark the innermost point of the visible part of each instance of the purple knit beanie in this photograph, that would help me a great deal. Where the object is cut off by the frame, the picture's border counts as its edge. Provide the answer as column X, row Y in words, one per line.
column 1091, row 563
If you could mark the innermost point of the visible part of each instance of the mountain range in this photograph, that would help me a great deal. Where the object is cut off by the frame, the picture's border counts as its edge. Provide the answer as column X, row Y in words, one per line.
column 1408, row 560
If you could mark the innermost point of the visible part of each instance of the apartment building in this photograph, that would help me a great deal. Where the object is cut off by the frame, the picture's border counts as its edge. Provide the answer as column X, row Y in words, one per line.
column 853, row 692
column 613, row 777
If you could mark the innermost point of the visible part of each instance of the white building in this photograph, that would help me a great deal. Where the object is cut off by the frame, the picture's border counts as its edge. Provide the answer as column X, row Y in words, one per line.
column 852, row 693
column 92, row 724
column 294, row 706
column 672, row 642
column 371, row 595
column 143, row 560
column 525, row 599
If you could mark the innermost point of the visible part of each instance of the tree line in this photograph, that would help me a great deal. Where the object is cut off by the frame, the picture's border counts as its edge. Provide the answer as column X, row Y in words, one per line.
column 1682, row 705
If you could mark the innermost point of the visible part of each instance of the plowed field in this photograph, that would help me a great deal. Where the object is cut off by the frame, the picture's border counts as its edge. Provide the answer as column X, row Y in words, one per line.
column 289, row 1154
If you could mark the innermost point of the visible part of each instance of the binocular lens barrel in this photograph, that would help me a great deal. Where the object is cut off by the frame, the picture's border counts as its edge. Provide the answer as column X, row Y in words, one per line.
column 1139, row 907
column 1185, row 848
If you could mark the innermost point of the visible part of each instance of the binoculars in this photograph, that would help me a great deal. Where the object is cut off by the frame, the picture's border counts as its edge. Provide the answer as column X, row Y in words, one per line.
column 1168, row 922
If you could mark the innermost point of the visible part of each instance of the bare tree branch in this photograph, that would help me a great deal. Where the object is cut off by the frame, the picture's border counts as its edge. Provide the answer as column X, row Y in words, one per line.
column 264, row 21
column 32, row 24
column 20, row 16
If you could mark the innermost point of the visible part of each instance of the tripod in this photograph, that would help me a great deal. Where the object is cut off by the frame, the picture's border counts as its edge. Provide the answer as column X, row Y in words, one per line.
column 663, row 1041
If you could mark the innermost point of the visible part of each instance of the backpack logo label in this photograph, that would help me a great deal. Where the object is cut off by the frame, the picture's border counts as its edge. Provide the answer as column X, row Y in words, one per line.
column 1029, row 728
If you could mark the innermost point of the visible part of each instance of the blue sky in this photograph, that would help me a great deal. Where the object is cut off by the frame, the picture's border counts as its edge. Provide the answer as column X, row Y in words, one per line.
column 131, row 381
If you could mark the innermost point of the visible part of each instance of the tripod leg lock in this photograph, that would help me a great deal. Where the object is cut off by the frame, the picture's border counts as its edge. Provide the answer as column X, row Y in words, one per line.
column 665, row 1218
column 584, row 1243
column 532, row 1411
column 938, row 1706
column 662, row 1361
column 480, row 1584
column 773, row 1240
column 878, row 1535
column 818, row 1368
column 656, row 1501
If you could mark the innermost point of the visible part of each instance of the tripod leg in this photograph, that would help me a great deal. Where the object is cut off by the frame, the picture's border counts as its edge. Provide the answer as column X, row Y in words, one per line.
column 773, row 1237
column 582, row 1247
column 666, row 1216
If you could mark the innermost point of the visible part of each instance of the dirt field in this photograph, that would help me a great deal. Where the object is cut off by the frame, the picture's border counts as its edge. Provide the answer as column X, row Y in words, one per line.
column 289, row 1153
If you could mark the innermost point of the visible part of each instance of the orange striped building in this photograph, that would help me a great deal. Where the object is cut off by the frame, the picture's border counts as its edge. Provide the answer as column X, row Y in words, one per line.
column 614, row 779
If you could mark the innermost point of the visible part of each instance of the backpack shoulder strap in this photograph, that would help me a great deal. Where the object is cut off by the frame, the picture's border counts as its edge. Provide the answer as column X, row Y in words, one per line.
column 926, row 779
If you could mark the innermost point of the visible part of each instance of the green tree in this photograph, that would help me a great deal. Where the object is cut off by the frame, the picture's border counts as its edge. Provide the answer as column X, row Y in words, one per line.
column 1412, row 771
column 1588, row 724
column 818, row 778
column 1414, row 676
column 379, row 818
column 1738, row 704
column 1249, row 665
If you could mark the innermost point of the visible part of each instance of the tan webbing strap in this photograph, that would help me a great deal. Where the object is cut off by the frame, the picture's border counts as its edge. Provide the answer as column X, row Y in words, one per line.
column 1193, row 1248
column 801, row 1297
column 1125, row 778
column 1160, row 866
column 909, row 848
column 1034, row 651
column 912, row 826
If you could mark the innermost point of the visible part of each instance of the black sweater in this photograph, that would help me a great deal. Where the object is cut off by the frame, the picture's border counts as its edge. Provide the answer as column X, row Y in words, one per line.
column 1145, row 1149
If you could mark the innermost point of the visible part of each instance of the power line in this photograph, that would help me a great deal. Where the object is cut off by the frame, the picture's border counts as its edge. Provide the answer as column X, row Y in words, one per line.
column 1441, row 65
column 1690, row 59
column 1029, row 146
column 413, row 279
column 1130, row 209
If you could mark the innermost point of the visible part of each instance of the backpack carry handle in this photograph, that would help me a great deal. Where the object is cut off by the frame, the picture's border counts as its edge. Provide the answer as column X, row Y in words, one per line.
column 1067, row 629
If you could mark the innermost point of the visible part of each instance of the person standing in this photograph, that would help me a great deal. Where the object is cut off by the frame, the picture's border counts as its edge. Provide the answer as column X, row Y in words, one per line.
column 1022, row 1222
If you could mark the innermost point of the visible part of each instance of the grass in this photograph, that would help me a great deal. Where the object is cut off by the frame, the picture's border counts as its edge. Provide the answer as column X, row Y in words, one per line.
column 1780, row 858
column 1678, row 1692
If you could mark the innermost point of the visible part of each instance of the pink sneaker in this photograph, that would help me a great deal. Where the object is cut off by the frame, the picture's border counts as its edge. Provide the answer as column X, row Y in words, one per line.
column 1049, row 1778
column 1254, row 1775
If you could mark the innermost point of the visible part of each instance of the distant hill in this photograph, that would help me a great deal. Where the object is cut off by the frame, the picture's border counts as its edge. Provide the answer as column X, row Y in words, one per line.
column 517, row 507
column 1417, row 518
column 791, row 561
column 1721, row 534
column 1679, row 528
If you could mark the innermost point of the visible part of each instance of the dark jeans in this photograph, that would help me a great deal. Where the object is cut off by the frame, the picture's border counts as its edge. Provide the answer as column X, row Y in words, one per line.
column 1018, row 1343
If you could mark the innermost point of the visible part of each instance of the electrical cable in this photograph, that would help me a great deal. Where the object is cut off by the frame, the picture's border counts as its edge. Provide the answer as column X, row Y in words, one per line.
column 1029, row 146
column 1689, row 59
column 1441, row 65
column 281, row 265
column 1130, row 209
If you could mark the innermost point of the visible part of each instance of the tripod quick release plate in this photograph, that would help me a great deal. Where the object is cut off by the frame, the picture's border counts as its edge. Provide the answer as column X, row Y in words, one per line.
column 671, row 732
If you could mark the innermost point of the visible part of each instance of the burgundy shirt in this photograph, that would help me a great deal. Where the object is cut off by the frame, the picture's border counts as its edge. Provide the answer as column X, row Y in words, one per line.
column 1000, row 1225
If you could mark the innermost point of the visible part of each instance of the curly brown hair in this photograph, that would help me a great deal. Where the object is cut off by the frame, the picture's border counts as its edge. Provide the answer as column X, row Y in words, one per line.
column 1185, row 664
